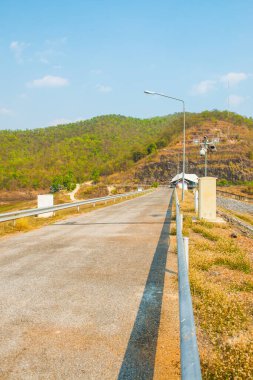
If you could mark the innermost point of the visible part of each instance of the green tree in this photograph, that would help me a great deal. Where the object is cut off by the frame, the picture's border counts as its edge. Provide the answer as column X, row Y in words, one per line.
column 152, row 148
column 95, row 175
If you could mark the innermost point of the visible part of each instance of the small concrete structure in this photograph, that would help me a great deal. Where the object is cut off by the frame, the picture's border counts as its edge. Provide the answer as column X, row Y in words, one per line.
column 207, row 199
column 45, row 200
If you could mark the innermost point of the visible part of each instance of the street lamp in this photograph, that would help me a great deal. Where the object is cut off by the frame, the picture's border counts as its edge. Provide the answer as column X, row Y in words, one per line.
column 182, row 101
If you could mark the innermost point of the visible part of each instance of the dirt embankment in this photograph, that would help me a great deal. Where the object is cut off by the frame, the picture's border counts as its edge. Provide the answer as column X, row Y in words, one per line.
column 19, row 195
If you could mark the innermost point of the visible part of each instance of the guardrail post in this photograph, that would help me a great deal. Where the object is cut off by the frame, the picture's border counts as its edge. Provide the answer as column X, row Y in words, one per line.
column 78, row 208
column 186, row 250
column 196, row 200
column 14, row 222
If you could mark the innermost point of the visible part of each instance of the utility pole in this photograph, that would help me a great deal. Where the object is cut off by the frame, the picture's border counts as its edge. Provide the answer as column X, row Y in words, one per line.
column 205, row 146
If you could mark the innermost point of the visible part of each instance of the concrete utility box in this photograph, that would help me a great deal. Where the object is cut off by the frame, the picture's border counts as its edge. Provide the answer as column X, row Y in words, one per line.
column 207, row 198
column 45, row 200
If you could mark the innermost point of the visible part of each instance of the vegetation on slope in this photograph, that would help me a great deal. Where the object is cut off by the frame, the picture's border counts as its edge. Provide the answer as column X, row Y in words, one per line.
column 232, row 163
column 87, row 150
column 83, row 151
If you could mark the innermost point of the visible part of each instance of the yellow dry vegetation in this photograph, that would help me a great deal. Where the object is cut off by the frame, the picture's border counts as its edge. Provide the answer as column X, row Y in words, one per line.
column 221, row 285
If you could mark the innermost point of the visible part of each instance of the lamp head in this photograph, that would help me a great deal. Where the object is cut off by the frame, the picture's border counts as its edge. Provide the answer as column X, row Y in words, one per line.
column 149, row 92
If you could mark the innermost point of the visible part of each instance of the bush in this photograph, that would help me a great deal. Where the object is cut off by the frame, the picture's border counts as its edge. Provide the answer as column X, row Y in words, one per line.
column 152, row 148
column 66, row 181
column 222, row 182
column 137, row 156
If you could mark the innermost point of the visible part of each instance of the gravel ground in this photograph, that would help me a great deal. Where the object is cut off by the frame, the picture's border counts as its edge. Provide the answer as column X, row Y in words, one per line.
column 234, row 205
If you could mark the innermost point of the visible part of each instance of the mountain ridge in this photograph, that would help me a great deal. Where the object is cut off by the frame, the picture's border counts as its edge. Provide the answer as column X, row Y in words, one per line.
column 98, row 148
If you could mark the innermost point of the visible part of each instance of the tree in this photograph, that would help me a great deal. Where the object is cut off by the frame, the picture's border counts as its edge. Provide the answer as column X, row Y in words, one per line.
column 137, row 156
column 95, row 175
column 151, row 148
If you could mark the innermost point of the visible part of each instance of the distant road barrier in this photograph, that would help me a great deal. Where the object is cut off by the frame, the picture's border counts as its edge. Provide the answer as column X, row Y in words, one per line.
column 189, row 355
column 7, row 216
column 234, row 196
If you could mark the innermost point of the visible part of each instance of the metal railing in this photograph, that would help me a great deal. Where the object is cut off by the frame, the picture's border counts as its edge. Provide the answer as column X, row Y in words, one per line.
column 189, row 355
column 239, row 197
column 7, row 216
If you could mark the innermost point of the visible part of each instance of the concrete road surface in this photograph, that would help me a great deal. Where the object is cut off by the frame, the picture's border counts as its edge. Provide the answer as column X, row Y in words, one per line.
column 81, row 299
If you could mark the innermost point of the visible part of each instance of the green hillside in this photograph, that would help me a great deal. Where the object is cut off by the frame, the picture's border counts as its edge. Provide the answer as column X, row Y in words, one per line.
column 88, row 149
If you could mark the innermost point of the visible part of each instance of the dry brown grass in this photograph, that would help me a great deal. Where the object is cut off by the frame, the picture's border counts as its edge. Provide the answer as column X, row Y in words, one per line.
column 221, row 285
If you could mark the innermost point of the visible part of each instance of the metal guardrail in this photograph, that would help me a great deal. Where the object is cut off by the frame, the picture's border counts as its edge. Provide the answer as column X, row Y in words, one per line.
column 5, row 217
column 189, row 355
column 234, row 196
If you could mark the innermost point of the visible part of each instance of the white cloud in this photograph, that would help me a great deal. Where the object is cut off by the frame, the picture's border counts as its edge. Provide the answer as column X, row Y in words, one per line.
column 203, row 87
column 103, row 88
column 5, row 111
column 17, row 49
column 233, row 78
column 235, row 100
column 49, row 81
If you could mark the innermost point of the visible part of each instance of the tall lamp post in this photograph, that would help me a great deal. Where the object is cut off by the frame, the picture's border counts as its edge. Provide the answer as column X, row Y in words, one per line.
column 182, row 101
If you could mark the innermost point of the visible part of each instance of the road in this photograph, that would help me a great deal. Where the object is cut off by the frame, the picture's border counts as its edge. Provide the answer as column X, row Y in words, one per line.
column 81, row 299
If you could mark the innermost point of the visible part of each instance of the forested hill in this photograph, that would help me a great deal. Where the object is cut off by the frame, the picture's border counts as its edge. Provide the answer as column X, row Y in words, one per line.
column 88, row 149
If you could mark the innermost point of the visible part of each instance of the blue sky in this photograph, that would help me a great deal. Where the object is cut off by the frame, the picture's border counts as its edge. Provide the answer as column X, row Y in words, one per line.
column 67, row 60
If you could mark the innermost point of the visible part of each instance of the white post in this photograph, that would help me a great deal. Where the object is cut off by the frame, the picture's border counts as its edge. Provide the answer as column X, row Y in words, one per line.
column 45, row 200
column 196, row 200
column 186, row 250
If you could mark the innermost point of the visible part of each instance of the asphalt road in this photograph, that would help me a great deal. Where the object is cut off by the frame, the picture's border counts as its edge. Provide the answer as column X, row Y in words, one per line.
column 81, row 299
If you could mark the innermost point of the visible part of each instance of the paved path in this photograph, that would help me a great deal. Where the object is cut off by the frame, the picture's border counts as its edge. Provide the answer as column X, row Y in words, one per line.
column 73, row 193
column 81, row 299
